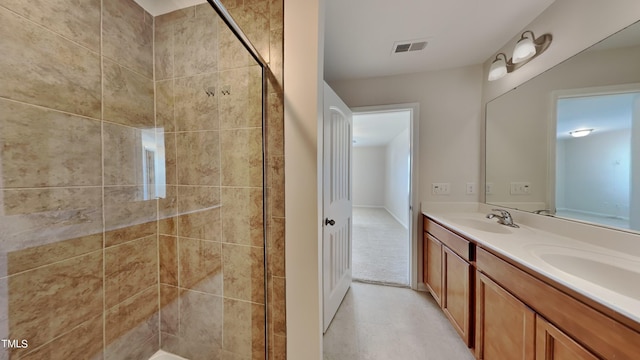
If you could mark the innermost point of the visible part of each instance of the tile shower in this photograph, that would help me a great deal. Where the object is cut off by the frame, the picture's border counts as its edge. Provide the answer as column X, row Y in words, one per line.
column 131, row 182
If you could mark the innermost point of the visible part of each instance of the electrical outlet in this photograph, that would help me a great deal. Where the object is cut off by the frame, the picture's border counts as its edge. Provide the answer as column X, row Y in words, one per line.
column 471, row 188
column 488, row 188
column 520, row 188
column 440, row 188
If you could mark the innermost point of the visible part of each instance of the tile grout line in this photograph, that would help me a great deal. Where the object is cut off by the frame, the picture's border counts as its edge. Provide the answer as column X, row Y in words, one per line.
column 56, row 262
column 61, row 335
column 74, row 42
column 55, row 110
column 120, row 302
column 104, row 220
column 98, row 52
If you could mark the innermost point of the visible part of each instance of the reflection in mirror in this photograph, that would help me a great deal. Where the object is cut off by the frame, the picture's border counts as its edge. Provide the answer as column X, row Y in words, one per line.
column 534, row 164
column 153, row 164
column 596, row 162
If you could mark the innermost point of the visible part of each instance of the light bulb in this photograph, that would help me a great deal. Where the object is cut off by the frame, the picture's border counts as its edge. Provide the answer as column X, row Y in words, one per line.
column 498, row 69
column 525, row 49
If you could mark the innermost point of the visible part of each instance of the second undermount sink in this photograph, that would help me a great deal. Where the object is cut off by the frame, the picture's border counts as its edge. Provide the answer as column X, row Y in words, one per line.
column 620, row 275
column 486, row 226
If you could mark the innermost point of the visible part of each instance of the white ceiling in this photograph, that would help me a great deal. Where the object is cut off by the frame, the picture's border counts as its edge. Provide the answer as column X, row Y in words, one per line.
column 359, row 34
column 601, row 113
column 378, row 129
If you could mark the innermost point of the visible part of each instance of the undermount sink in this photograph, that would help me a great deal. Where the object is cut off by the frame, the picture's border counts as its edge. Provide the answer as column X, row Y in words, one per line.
column 486, row 226
column 620, row 275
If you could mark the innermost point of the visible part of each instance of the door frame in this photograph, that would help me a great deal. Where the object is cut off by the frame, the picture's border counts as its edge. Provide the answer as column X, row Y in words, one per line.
column 414, row 200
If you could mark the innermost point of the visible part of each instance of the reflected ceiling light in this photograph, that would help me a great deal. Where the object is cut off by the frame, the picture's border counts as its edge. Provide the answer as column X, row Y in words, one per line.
column 580, row 132
column 527, row 49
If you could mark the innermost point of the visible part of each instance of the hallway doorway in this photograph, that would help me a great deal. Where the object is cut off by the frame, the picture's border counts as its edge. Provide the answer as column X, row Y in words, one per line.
column 380, row 247
column 382, row 216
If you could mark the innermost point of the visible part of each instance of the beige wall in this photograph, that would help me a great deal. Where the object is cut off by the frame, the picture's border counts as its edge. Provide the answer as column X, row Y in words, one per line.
column 449, row 122
column 369, row 171
column 303, row 54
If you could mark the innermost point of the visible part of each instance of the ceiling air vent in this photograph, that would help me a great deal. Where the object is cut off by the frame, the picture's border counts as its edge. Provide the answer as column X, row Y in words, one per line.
column 402, row 48
column 407, row 46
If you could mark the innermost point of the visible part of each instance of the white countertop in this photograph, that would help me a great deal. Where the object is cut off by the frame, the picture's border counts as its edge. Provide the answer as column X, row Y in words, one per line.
column 601, row 264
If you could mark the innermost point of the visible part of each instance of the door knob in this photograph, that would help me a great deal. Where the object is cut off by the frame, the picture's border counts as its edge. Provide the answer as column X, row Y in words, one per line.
column 328, row 221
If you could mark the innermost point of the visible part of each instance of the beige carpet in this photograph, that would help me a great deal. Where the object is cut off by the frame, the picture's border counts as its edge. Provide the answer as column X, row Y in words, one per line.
column 380, row 247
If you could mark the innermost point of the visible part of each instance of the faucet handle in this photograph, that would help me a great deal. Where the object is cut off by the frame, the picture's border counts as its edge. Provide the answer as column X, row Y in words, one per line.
column 502, row 212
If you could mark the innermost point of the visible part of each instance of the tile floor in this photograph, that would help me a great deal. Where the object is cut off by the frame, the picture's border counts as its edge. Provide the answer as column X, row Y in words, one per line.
column 380, row 247
column 391, row 323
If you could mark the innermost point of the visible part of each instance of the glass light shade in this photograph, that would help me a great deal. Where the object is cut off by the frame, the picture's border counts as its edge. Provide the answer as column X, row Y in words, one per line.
column 498, row 69
column 524, row 50
column 580, row 133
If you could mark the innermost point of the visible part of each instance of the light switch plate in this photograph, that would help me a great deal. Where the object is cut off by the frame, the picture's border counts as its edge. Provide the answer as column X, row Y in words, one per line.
column 488, row 188
column 471, row 188
column 440, row 188
column 520, row 188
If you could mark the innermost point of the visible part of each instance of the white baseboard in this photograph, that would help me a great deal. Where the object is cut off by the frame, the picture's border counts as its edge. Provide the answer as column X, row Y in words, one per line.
column 397, row 219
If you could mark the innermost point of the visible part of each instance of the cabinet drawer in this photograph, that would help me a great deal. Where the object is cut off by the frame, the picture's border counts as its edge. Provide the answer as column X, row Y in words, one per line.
column 456, row 243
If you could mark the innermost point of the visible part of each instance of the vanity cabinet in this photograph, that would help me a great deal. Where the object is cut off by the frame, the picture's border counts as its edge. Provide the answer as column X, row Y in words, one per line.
column 566, row 327
column 553, row 344
column 505, row 310
column 505, row 326
column 509, row 329
column 433, row 266
column 457, row 289
column 448, row 275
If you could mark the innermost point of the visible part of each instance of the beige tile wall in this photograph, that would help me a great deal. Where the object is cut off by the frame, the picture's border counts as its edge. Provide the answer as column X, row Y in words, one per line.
column 212, row 250
column 263, row 23
column 91, row 268
column 79, row 248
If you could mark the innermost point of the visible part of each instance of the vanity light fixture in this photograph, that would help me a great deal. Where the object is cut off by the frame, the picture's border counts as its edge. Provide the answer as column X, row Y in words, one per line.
column 580, row 132
column 498, row 67
column 527, row 48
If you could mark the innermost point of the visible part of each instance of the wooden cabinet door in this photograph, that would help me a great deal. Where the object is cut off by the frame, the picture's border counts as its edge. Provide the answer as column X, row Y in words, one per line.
column 457, row 300
column 433, row 266
column 553, row 344
column 505, row 327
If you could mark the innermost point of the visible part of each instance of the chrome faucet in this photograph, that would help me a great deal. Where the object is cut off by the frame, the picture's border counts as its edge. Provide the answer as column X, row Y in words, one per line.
column 504, row 218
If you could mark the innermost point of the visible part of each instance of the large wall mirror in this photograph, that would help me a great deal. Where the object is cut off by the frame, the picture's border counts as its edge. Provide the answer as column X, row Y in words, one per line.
column 534, row 160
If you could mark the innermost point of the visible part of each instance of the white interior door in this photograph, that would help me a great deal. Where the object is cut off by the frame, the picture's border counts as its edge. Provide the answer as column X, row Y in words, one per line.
column 336, row 239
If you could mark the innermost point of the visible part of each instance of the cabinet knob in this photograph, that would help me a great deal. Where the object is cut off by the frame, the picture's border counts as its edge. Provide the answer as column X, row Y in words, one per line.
column 328, row 221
